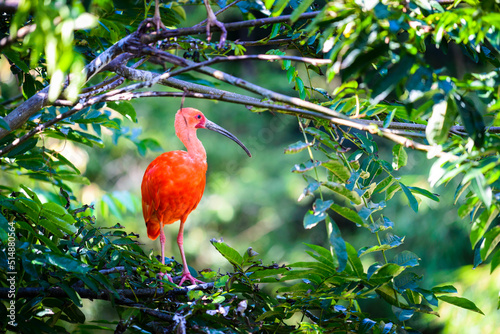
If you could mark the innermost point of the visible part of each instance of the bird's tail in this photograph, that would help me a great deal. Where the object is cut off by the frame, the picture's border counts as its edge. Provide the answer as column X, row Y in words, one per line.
column 153, row 226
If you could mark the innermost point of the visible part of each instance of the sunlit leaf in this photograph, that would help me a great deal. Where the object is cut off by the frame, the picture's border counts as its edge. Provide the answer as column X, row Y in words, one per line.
column 461, row 302
column 491, row 240
column 400, row 157
column 341, row 190
column 338, row 169
column 411, row 199
column 228, row 252
column 348, row 214
column 481, row 224
column 297, row 147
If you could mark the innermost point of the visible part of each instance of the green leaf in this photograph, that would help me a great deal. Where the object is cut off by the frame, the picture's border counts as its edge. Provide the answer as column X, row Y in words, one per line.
column 367, row 142
column 381, row 224
column 297, row 147
column 299, row 85
column 323, row 252
column 384, row 184
column 74, row 312
column 406, row 259
column 301, row 8
column 377, row 248
column 3, row 124
column 482, row 190
column 400, row 157
column 388, row 270
column 341, row 190
column 443, row 117
column 425, row 193
column 481, row 224
column 23, row 147
column 354, row 260
column 338, row 169
column 318, row 214
column 491, row 240
column 29, row 207
column 393, row 240
column 306, row 166
column 64, row 262
column 339, row 246
column 312, row 218
column 471, row 119
column 390, row 295
column 411, row 199
column 402, row 314
column 444, row 289
column 229, row 253
column 495, row 261
column 386, row 83
column 72, row 294
column 389, row 118
column 125, row 108
column 461, row 302
column 59, row 216
column 322, row 136
column 278, row 7
column 348, row 214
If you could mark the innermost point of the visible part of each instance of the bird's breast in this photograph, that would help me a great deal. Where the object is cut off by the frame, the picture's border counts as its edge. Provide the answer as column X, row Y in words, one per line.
column 172, row 186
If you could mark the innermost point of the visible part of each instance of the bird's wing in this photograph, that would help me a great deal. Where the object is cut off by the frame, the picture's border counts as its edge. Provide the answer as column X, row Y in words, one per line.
column 172, row 187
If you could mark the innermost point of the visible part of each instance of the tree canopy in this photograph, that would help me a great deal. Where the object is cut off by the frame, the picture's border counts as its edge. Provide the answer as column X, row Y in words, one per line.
column 365, row 82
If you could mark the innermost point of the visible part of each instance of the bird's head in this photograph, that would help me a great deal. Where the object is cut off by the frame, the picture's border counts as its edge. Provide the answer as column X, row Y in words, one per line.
column 191, row 118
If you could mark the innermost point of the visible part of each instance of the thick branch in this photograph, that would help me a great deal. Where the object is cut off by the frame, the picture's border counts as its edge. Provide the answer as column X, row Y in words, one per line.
column 16, row 118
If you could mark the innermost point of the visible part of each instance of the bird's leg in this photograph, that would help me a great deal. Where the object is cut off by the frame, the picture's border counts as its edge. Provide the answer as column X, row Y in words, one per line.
column 186, row 275
column 212, row 21
column 156, row 18
column 162, row 245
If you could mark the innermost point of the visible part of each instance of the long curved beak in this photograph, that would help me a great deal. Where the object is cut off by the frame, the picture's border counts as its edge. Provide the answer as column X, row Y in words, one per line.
column 214, row 127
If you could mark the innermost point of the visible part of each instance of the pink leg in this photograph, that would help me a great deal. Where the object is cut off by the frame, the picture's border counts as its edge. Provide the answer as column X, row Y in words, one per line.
column 162, row 245
column 186, row 275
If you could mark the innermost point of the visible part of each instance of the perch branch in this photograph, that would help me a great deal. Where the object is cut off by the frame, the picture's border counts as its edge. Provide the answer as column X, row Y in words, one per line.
column 58, row 292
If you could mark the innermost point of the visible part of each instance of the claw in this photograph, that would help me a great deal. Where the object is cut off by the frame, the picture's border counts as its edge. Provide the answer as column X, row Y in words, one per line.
column 212, row 21
column 160, row 276
column 188, row 276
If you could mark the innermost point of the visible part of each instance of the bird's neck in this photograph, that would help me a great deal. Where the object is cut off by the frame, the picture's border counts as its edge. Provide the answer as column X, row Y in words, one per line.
column 193, row 145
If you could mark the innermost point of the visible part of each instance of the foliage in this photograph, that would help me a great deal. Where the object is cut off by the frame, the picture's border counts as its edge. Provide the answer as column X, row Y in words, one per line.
column 68, row 70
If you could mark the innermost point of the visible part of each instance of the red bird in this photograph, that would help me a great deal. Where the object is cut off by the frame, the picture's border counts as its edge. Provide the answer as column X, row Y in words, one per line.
column 174, row 182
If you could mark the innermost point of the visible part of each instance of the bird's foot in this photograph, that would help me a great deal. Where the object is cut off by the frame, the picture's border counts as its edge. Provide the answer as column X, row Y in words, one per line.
column 212, row 22
column 158, row 24
column 161, row 275
column 215, row 22
column 188, row 276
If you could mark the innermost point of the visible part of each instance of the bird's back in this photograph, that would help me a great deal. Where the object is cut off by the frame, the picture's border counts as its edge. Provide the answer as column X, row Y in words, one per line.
column 172, row 187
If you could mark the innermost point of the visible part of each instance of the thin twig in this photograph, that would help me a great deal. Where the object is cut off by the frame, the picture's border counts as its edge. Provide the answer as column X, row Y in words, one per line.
column 21, row 33
column 153, row 37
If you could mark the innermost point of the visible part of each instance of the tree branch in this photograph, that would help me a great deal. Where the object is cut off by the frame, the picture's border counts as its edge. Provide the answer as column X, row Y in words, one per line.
column 129, row 294
column 16, row 118
column 154, row 37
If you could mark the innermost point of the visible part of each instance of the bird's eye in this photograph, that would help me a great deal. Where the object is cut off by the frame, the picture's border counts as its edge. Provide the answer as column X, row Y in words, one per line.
column 198, row 116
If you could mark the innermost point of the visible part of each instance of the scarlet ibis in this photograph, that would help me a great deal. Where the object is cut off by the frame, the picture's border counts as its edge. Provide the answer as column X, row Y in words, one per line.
column 174, row 182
